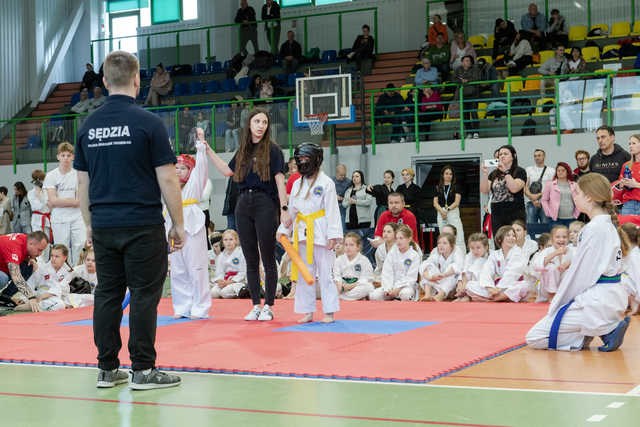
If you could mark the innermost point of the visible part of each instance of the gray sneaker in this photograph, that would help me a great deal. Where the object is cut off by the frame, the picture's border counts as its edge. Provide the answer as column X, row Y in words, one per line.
column 107, row 379
column 154, row 379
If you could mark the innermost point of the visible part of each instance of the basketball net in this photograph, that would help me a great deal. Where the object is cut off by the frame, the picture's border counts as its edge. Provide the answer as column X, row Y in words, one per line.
column 316, row 124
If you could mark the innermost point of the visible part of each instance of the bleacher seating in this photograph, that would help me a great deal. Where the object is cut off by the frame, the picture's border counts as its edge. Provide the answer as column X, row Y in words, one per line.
column 578, row 33
column 478, row 41
column 591, row 53
column 620, row 29
column 228, row 85
column 636, row 28
column 603, row 27
column 211, row 86
column 180, row 89
column 195, row 88
column 328, row 56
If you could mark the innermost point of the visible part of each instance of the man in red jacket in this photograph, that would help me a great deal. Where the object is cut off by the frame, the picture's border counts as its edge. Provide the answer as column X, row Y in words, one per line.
column 398, row 214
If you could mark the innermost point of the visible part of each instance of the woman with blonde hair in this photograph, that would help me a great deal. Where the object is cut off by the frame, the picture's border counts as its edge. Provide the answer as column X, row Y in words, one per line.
column 410, row 191
column 591, row 300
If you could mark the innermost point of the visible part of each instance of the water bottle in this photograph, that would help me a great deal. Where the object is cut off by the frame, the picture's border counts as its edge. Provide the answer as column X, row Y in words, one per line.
column 627, row 175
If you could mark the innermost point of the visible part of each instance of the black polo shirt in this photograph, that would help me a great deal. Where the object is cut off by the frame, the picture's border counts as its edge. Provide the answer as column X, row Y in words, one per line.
column 120, row 145
column 252, row 180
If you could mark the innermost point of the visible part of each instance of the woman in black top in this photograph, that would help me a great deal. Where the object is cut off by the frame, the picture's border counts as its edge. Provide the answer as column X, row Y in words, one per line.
column 381, row 193
column 447, row 202
column 506, row 185
column 410, row 191
column 258, row 168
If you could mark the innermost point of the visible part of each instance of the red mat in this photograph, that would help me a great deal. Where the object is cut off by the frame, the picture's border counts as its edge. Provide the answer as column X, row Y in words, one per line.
column 466, row 334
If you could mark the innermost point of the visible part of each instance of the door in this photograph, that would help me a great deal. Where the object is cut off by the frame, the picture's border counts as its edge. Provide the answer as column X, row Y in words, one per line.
column 124, row 24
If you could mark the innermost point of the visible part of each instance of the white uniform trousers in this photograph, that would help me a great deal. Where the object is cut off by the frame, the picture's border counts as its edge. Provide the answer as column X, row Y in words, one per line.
column 515, row 293
column 305, row 298
column 52, row 304
column 446, row 285
column 359, row 292
column 407, row 293
column 229, row 291
column 71, row 234
column 190, row 291
column 453, row 218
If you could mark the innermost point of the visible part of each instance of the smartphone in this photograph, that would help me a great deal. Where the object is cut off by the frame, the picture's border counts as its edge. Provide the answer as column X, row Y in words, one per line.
column 491, row 163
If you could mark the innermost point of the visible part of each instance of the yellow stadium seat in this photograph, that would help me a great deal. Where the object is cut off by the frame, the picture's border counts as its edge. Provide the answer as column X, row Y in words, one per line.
column 607, row 49
column 540, row 104
column 490, row 41
column 620, row 29
column 532, row 84
column 515, row 82
column 478, row 41
column 482, row 110
column 603, row 27
column 404, row 91
column 636, row 29
column 545, row 55
column 591, row 53
column 577, row 33
column 487, row 58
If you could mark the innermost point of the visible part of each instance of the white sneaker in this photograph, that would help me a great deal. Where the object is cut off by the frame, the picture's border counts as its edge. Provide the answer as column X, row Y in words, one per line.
column 254, row 313
column 476, row 135
column 403, row 139
column 266, row 314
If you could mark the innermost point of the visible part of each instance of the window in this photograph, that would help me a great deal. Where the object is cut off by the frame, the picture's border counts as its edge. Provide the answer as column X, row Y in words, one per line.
column 156, row 11
column 287, row 3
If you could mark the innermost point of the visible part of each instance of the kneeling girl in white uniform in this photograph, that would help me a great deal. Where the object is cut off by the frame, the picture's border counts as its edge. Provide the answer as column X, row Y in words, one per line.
column 502, row 277
column 474, row 261
column 552, row 263
column 231, row 268
column 440, row 272
column 389, row 239
column 631, row 280
column 317, row 228
column 591, row 299
column 190, row 292
column 352, row 271
column 400, row 270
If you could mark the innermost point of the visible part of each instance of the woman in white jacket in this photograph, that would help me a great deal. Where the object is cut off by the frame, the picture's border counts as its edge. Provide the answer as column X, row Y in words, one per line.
column 357, row 203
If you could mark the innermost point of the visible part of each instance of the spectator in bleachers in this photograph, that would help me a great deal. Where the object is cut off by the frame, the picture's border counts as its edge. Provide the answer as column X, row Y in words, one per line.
column 90, row 79
column 555, row 65
column 271, row 10
column 439, row 55
column 520, row 54
column 467, row 72
column 430, row 109
column 610, row 157
column 249, row 28
column 577, row 64
column 582, row 160
column 460, row 48
column 97, row 100
column 266, row 88
column 236, row 117
column 537, row 177
column 437, row 28
column 627, row 188
column 535, row 24
column 21, row 207
column 558, row 29
column 186, row 124
column 389, row 109
column 202, row 123
column 426, row 75
column 84, row 104
column 358, row 203
column 488, row 72
column 161, row 85
column 6, row 214
column 290, row 52
column 253, row 91
column 504, row 32
column 362, row 51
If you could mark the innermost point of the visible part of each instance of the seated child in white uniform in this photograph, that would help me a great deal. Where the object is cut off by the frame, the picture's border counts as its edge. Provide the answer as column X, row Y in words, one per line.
column 574, row 230
column 524, row 242
column 51, row 281
column 474, row 261
column 591, row 300
column 440, row 272
column 502, row 277
column 631, row 280
column 400, row 270
column 352, row 271
column 389, row 239
column 86, row 270
column 552, row 263
column 231, row 268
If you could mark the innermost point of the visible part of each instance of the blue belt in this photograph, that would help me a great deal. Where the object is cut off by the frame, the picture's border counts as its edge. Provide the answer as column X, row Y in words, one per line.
column 555, row 326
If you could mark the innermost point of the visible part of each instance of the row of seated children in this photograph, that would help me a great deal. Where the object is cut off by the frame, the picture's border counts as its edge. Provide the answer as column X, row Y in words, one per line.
column 58, row 286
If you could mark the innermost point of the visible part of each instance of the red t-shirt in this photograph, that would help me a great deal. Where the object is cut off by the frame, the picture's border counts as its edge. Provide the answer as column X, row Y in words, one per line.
column 291, row 180
column 13, row 248
column 405, row 217
column 632, row 194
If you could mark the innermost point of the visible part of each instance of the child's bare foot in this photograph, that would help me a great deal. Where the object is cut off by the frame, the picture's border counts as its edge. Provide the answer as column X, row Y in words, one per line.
column 307, row 318
column 440, row 296
column 462, row 299
column 328, row 318
column 426, row 298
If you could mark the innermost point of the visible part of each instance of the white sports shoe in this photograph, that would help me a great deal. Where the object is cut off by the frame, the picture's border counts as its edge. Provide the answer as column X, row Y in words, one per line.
column 266, row 314
column 254, row 313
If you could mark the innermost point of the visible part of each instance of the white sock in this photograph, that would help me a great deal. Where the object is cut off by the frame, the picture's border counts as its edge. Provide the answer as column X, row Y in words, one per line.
column 146, row 371
column 266, row 306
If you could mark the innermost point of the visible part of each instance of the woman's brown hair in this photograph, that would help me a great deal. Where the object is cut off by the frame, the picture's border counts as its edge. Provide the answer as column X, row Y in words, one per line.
column 407, row 232
column 262, row 153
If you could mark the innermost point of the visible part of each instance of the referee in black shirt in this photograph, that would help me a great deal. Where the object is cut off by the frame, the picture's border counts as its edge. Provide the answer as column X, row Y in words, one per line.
column 125, row 162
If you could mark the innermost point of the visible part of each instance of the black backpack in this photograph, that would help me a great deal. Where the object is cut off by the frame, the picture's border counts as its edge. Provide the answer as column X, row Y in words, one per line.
column 521, row 106
column 529, row 127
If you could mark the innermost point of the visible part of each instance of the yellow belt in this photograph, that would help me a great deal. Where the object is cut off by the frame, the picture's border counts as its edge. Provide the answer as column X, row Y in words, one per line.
column 189, row 202
column 308, row 220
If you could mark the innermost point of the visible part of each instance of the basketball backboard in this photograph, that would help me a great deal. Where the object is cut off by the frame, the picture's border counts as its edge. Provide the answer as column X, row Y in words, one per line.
column 329, row 94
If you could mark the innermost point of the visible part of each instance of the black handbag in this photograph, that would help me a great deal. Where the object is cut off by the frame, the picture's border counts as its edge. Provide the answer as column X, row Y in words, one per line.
column 536, row 186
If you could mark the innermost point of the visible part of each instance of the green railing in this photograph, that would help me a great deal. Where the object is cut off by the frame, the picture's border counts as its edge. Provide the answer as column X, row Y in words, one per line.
column 304, row 18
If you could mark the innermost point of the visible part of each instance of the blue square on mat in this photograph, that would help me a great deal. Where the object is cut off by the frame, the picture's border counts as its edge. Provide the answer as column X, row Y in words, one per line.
column 162, row 321
column 378, row 327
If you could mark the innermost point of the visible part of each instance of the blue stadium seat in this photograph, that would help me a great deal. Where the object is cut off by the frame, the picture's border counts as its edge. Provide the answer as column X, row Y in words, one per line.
column 228, row 85
column 143, row 74
column 75, row 98
column 215, row 67
column 144, row 92
column 211, row 86
column 328, row 56
column 227, row 65
column 243, row 83
column 281, row 78
column 168, row 68
column 200, row 68
column 292, row 79
column 34, row 141
column 180, row 89
column 195, row 88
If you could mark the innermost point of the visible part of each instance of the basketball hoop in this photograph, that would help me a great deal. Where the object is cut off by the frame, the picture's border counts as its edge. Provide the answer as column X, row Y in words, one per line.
column 316, row 122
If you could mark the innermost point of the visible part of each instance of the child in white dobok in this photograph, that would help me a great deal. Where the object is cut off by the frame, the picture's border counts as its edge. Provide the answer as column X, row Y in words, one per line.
column 474, row 261
column 574, row 230
column 352, row 271
column 231, row 268
column 440, row 272
column 317, row 227
column 552, row 263
column 502, row 277
column 190, row 292
column 400, row 270
column 389, row 239
column 591, row 300
column 631, row 280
